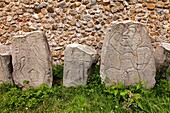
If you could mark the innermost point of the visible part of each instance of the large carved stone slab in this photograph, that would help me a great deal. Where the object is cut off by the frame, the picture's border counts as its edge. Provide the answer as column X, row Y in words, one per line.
column 31, row 60
column 162, row 57
column 78, row 62
column 127, row 55
column 5, row 69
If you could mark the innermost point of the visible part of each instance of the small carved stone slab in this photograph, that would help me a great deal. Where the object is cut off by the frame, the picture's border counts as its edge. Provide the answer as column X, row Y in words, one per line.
column 31, row 60
column 127, row 55
column 5, row 69
column 78, row 62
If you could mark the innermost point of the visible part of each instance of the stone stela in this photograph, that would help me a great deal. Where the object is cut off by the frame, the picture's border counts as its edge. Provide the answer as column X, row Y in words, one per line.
column 31, row 60
column 127, row 55
column 79, row 60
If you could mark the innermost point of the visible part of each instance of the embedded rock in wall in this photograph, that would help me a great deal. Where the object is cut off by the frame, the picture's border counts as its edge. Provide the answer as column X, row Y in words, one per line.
column 78, row 62
column 162, row 57
column 5, row 69
column 127, row 55
column 31, row 60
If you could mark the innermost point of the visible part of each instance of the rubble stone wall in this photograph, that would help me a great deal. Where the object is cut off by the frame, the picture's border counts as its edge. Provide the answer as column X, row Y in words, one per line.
column 81, row 21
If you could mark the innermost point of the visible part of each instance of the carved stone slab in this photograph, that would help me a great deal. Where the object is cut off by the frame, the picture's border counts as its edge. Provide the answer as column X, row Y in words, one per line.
column 5, row 69
column 78, row 61
column 31, row 60
column 162, row 57
column 127, row 55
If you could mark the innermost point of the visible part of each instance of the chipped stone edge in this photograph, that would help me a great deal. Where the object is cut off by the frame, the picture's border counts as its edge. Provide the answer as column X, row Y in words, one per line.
column 82, row 47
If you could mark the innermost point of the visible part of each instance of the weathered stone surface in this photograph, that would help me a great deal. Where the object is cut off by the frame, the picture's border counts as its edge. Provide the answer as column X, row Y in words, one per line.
column 31, row 60
column 162, row 57
column 127, row 55
column 5, row 68
column 78, row 62
column 5, row 50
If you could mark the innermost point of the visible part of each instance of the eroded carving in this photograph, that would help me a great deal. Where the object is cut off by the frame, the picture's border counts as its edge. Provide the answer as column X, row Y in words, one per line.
column 31, row 59
column 78, row 61
column 127, row 55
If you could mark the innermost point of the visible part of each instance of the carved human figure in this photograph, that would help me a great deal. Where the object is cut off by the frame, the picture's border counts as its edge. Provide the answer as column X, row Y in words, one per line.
column 20, row 52
column 75, row 63
column 129, row 56
column 78, row 61
column 32, row 59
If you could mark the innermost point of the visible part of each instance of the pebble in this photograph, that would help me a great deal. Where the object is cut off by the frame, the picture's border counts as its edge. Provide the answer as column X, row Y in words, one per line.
column 42, row 5
column 7, row 1
column 9, row 18
column 60, row 25
column 63, row 5
column 57, row 10
column 50, row 20
column 97, row 27
column 57, row 48
column 26, row 29
column 78, row 24
column 52, row 42
column 85, row 2
column 44, row 11
column 47, row 26
column 37, row 9
column 107, row 7
column 90, row 24
column 54, row 27
column 106, row 0
column 73, row 22
column 33, row 28
column 50, row 9
column 35, row 16
column 93, row 2
column 151, row 6
column 2, row 32
column 87, row 17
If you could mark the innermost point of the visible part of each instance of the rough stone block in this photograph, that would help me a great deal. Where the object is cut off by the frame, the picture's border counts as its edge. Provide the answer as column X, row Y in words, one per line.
column 78, row 62
column 6, row 69
column 31, row 60
column 127, row 55
column 162, row 57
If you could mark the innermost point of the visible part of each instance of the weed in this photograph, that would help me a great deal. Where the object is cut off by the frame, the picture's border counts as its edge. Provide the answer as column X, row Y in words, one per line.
column 57, row 75
column 92, row 98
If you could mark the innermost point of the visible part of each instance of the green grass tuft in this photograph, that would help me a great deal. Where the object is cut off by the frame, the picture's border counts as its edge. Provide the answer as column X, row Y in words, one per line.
column 92, row 98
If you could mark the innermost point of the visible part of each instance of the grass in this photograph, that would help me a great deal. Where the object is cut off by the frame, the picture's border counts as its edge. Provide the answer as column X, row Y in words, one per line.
column 92, row 98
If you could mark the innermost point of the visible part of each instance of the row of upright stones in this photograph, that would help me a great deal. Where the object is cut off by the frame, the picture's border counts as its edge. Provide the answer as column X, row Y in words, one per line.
column 81, row 21
column 127, row 57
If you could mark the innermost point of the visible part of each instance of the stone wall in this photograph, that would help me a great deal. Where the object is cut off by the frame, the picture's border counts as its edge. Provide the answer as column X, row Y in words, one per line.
column 81, row 21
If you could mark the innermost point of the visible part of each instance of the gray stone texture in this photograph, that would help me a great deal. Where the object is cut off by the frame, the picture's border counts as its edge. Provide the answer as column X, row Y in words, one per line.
column 5, row 50
column 5, row 69
column 127, row 55
column 31, row 60
column 78, row 63
column 162, row 57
